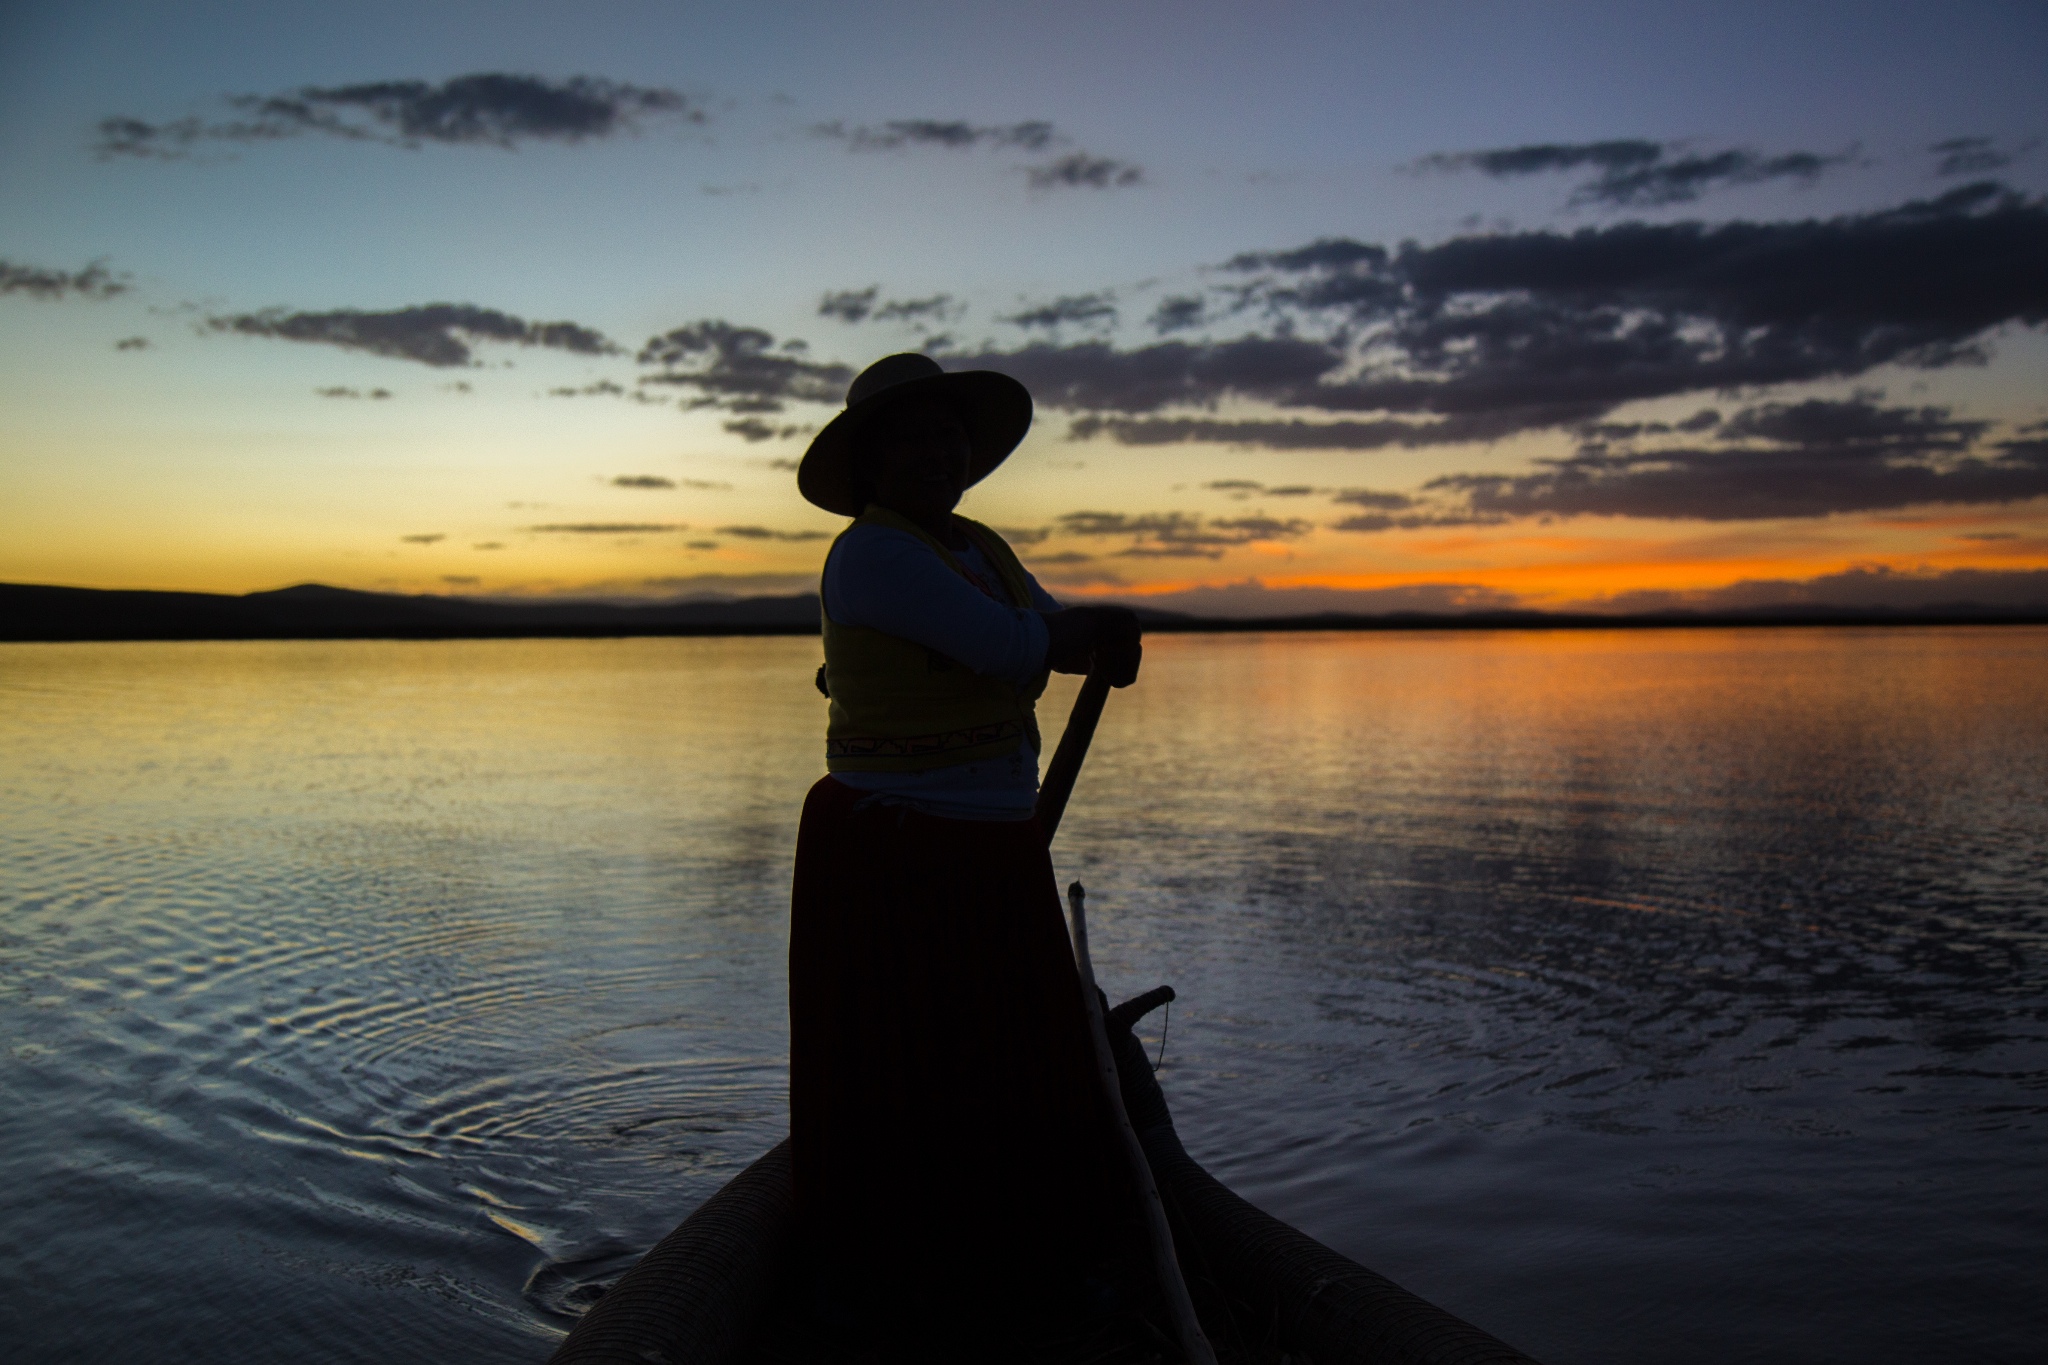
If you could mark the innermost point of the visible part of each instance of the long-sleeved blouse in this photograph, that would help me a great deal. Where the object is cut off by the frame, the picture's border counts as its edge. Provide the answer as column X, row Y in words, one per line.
column 889, row 580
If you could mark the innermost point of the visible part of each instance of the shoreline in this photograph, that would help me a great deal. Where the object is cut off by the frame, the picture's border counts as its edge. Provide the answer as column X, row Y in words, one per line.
column 35, row 614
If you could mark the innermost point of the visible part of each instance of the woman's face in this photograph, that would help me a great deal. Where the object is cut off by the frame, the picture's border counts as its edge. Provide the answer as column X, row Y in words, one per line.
column 920, row 460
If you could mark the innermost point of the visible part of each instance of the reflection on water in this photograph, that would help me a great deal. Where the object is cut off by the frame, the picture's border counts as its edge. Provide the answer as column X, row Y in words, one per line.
column 1672, row 995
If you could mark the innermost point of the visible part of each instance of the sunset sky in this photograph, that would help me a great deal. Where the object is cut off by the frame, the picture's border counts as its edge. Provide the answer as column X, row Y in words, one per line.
column 1323, row 305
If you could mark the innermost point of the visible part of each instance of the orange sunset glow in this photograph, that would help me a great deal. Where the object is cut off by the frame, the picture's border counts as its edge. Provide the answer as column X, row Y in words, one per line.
column 1437, row 364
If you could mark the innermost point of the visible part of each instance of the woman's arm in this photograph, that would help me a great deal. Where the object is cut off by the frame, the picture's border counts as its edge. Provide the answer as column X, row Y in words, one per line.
column 890, row 581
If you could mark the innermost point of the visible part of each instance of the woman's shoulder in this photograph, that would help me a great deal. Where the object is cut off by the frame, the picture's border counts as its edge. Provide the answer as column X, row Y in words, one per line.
column 869, row 559
column 868, row 543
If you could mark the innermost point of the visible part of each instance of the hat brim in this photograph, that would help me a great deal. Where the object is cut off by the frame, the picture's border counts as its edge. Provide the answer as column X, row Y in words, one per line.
column 995, row 407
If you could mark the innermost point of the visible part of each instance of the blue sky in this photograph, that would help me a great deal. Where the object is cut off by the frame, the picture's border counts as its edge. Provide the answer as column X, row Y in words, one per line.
column 759, row 182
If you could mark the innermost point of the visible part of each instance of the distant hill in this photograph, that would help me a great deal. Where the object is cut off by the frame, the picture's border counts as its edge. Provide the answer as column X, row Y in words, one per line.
column 316, row 612
column 312, row 611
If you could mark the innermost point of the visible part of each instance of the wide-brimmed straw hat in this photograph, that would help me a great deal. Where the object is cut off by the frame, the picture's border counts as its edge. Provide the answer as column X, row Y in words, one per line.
column 995, row 408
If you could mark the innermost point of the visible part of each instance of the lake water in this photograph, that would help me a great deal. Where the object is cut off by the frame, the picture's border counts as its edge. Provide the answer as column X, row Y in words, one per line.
column 1665, row 995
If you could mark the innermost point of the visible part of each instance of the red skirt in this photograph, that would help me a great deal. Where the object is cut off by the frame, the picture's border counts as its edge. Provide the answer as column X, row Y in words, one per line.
column 946, row 1122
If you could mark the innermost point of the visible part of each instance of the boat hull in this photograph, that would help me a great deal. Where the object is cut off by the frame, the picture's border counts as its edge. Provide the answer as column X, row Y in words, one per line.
column 1265, row 1291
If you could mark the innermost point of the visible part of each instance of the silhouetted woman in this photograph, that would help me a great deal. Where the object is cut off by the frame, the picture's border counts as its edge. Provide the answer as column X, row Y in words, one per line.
column 950, row 1143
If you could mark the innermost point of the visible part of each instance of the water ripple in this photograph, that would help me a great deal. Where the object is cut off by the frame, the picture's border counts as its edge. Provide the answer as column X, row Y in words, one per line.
column 364, row 991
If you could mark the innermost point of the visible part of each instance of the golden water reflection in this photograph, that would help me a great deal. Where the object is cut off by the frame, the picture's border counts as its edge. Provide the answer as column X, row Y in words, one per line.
column 417, row 983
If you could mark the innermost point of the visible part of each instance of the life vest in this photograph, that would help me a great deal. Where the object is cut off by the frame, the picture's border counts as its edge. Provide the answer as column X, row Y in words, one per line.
column 900, row 707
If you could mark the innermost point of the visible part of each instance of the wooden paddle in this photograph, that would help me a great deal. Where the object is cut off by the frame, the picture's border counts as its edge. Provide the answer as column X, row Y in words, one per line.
column 1066, row 760
column 1052, row 803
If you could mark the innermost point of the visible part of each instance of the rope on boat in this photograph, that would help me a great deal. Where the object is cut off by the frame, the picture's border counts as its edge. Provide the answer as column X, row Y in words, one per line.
column 1193, row 1343
column 1322, row 1302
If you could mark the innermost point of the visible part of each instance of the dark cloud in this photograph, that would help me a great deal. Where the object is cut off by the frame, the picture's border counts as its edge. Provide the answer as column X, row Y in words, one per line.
column 489, row 108
column 169, row 140
column 603, row 388
column 1299, row 435
column 461, row 580
column 1071, row 309
column 741, row 369
column 955, row 134
column 1526, row 330
column 1616, row 155
column 1241, row 490
column 1811, row 459
column 1096, row 376
column 1374, row 498
column 1632, row 171
column 1412, row 521
column 95, row 281
column 488, row 545
column 1249, row 529
column 1769, row 461
column 765, row 533
column 427, row 538
column 642, row 481
column 342, row 391
column 1181, row 535
column 606, row 528
column 1821, row 424
column 1402, row 512
column 937, row 308
column 862, row 305
column 1078, row 170
column 438, row 334
column 1178, row 313
column 1120, row 524
column 1334, row 254
column 753, row 429
column 849, row 305
column 1685, row 178
column 132, row 344
column 1968, row 156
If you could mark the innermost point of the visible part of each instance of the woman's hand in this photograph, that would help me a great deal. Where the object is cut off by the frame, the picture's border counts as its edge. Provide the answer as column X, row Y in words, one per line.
column 1081, row 639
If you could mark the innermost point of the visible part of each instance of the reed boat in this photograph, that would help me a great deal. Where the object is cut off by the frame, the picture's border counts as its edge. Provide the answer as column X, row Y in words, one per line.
column 717, row 1290
column 1228, row 1282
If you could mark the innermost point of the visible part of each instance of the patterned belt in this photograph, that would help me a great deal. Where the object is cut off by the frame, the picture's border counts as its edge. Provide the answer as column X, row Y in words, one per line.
column 911, row 746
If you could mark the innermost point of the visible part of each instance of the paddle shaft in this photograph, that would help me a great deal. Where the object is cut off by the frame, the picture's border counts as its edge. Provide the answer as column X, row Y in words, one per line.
column 1052, row 803
column 1066, row 760
column 1193, row 1344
